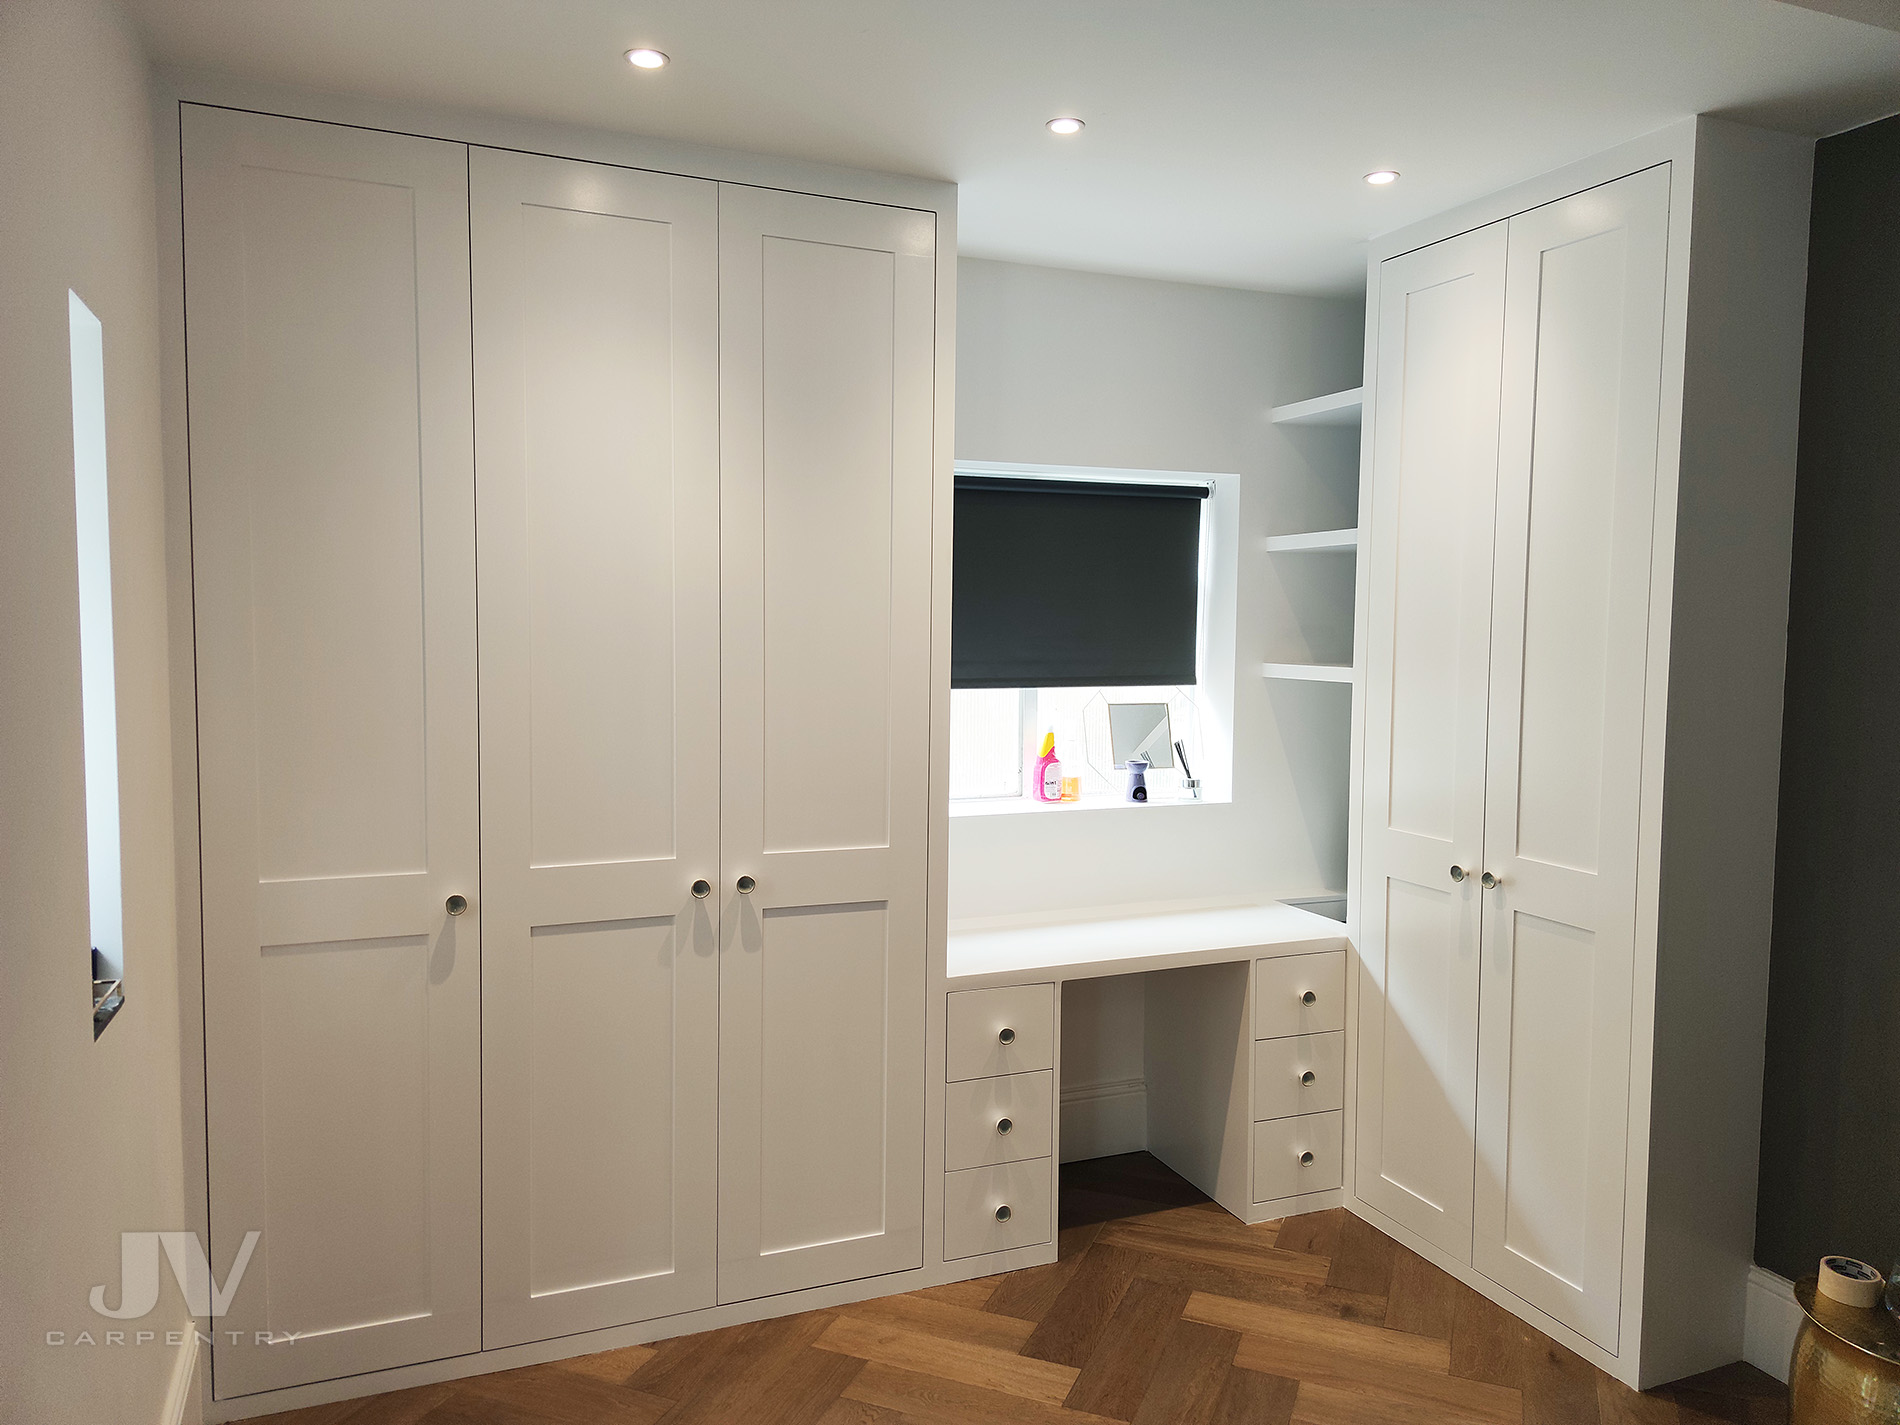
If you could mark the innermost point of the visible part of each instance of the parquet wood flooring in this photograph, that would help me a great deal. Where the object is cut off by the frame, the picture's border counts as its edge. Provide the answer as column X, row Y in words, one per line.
column 1160, row 1310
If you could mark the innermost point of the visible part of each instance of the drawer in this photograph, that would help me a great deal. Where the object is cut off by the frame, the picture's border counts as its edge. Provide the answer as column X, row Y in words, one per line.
column 1004, row 1031
column 1305, row 1073
column 1299, row 994
column 1296, row 1155
column 993, row 1209
column 999, row 1120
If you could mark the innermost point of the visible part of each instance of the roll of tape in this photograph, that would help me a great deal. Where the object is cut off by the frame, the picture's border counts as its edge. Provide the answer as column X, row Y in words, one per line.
column 1850, row 1282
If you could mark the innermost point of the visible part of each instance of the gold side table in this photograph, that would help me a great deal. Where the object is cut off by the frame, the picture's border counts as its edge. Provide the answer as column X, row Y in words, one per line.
column 1846, row 1367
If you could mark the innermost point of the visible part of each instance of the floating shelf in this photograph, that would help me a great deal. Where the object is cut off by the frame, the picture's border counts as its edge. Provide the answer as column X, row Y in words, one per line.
column 1309, row 672
column 1325, row 541
column 1339, row 409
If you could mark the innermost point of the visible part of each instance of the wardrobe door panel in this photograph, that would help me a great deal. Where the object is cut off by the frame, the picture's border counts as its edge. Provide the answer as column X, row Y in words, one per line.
column 333, row 573
column 827, row 338
column 1440, row 337
column 1583, row 352
column 596, row 370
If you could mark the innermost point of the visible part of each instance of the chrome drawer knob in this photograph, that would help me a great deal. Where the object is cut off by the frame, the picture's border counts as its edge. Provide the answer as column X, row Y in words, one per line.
column 746, row 884
column 455, row 905
column 701, row 889
column 1002, row 1213
column 1307, row 1079
column 1458, row 873
column 1490, row 882
column 1005, row 1036
column 1306, row 1160
column 1309, row 998
column 1003, row 1125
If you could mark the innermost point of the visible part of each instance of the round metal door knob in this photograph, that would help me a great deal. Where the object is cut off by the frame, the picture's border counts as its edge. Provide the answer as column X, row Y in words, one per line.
column 701, row 889
column 1002, row 1213
column 1307, row 1079
column 746, row 885
column 1005, row 1036
column 1003, row 1125
column 1489, row 881
column 1306, row 1160
column 1309, row 998
column 1458, row 873
column 455, row 905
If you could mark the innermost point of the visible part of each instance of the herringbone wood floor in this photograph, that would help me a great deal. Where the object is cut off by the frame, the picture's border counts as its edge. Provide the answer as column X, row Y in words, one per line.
column 1176, row 1313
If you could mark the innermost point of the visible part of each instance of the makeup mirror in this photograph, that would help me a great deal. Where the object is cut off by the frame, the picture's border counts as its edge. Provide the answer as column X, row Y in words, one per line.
column 1140, row 730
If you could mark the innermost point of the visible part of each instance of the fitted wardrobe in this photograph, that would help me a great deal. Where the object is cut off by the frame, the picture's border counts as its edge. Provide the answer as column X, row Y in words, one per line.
column 562, row 558
column 1578, row 493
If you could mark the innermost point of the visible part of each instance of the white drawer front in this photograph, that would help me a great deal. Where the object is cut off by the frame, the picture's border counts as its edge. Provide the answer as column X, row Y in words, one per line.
column 1305, row 1073
column 999, row 1120
column 1296, row 1155
column 1299, row 994
column 1003, row 1031
column 993, row 1209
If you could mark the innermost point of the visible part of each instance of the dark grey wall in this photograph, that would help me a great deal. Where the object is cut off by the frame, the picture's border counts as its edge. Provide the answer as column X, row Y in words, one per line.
column 1830, row 1166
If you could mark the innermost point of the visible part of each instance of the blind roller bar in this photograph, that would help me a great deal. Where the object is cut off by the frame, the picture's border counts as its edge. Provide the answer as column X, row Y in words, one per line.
column 1030, row 485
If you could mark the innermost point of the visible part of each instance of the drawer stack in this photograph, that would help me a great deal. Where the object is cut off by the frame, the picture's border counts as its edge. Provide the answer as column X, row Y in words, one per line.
column 1299, row 1074
column 999, row 1120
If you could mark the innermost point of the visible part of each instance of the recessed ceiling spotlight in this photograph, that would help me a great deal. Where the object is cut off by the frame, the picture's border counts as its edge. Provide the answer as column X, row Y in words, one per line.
column 646, row 59
column 1065, row 126
column 1379, row 177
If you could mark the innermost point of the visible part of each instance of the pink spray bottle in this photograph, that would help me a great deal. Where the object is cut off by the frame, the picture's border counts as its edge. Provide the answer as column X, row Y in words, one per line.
column 1048, row 785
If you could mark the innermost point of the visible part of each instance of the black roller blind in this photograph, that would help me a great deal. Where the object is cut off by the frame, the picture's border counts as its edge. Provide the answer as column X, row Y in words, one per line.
column 1072, row 583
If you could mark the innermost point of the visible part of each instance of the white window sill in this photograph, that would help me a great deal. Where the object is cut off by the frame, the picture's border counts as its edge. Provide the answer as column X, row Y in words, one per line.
column 1020, row 806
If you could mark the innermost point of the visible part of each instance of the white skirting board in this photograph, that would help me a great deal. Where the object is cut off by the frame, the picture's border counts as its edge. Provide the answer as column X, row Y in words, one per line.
column 182, row 1397
column 1100, row 1120
column 1772, row 1321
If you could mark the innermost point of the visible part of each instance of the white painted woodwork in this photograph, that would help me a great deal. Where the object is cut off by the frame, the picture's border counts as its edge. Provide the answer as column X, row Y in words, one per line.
column 827, row 340
column 1323, row 541
column 1280, row 1067
column 1434, row 472
column 1280, row 1145
column 333, row 571
column 1570, row 607
column 999, row 1120
column 973, row 1198
column 596, row 319
column 1281, row 988
column 1011, row 1030
column 1341, row 408
column 1309, row 672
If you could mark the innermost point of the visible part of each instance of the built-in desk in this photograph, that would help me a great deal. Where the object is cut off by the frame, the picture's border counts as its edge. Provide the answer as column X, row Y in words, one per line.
column 1243, row 1049
column 1137, row 939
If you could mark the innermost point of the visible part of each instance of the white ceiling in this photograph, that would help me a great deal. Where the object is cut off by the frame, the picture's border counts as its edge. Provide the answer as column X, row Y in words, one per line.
column 1226, row 139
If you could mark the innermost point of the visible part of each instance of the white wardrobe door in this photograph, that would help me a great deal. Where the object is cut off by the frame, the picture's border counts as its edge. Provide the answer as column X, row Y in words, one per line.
column 333, row 552
column 827, row 332
column 596, row 369
column 1576, row 488
column 1434, row 474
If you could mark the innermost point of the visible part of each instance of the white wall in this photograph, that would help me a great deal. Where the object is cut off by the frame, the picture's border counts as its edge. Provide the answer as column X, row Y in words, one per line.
column 1073, row 368
column 89, row 1132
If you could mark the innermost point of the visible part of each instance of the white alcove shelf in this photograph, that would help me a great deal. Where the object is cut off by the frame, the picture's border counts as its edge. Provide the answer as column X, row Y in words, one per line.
column 1309, row 672
column 1323, row 541
column 1339, row 409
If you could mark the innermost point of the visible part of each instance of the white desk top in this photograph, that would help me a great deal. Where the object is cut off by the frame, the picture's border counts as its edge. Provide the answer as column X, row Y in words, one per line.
column 1132, row 940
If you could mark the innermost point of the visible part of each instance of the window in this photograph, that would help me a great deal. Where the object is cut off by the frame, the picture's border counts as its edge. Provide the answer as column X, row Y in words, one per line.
column 1075, row 583
column 1073, row 595
column 99, row 708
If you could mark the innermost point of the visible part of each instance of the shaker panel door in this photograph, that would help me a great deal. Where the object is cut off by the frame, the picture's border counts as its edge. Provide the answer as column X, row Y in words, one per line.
column 1576, row 493
column 1435, row 433
column 333, row 542
column 827, row 341
column 597, row 453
